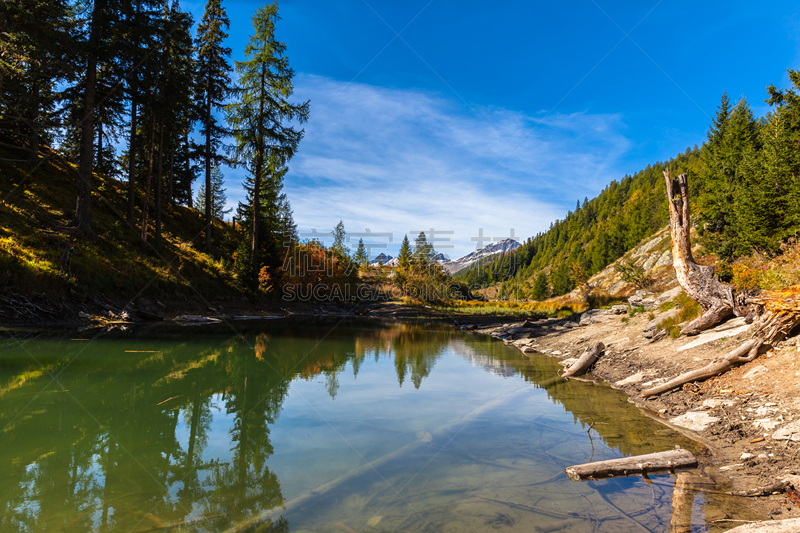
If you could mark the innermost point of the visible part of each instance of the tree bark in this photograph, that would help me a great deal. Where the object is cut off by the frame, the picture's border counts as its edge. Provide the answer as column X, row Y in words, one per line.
column 586, row 360
column 188, row 168
column 626, row 466
column 132, row 161
column 145, row 204
column 33, row 135
column 172, row 145
column 698, row 281
column 83, row 205
column 209, row 118
column 159, row 181
column 258, row 171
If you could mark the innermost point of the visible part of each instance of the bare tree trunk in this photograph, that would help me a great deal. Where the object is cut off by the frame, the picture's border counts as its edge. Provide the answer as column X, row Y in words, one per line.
column 188, row 168
column 33, row 135
column 259, row 171
column 208, row 174
column 132, row 162
column 145, row 204
column 699, row 282
column 83, row 205
column 159, row 181
column 171, row 168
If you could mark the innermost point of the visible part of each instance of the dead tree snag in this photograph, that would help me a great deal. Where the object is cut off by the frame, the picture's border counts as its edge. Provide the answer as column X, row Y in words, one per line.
column 698, row 281
column 779, row 311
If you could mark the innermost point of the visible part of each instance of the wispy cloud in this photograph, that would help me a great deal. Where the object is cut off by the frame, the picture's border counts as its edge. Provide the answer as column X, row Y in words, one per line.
column 399, row 161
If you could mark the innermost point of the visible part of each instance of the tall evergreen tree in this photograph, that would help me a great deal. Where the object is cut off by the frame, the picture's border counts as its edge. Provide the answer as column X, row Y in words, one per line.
column 218, row 197
column 732, row 134
column 92, row 50
column 339, row 235
column 423, row 252
column 404, row 259
column 360, row 256
column 212, row 88
column 260, row 114
column 540, row 287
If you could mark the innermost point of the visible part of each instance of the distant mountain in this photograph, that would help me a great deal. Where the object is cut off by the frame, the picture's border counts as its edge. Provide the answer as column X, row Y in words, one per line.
column 381, row 258
column 503, row 246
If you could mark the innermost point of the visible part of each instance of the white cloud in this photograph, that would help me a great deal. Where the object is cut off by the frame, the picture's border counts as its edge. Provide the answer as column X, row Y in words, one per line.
column 398, row 161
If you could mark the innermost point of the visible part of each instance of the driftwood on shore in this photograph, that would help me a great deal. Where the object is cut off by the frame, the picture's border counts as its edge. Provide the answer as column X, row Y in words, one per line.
column 639, row 464
column 586, row 360
column 743, row 354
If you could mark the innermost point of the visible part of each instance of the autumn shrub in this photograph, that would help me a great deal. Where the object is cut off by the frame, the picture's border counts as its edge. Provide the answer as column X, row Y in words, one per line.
column 265, row 279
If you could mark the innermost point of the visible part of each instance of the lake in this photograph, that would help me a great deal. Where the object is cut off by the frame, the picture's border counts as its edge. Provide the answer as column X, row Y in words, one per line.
column 318, row 424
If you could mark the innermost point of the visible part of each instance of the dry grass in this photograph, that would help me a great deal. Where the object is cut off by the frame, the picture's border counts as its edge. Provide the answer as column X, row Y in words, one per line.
column 521, row 309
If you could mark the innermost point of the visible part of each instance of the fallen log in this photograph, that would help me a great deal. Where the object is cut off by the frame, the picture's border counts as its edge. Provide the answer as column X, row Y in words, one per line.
column 586, row 360
column 653, row 462
column 743, row 354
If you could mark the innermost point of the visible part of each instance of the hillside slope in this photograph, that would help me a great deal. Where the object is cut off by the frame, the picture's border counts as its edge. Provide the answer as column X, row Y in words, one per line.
column 598, row 232
column 36, row 210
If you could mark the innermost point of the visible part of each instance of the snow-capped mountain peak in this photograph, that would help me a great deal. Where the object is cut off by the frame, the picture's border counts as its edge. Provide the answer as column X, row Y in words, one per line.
column 506, row 245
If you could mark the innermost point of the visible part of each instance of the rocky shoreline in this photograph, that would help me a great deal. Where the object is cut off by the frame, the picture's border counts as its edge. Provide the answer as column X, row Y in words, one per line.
column 748, row 418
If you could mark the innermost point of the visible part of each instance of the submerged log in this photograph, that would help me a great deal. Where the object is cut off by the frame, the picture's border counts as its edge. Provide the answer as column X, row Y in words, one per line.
column 639, row 464
column 698, row 281
column 586, row 360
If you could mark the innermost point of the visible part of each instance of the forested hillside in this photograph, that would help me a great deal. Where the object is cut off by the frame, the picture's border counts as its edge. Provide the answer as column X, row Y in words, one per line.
column 745, row 187
column 122, row 107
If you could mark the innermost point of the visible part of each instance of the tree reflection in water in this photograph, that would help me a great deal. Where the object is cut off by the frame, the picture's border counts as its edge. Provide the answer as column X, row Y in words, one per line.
column 171, row 427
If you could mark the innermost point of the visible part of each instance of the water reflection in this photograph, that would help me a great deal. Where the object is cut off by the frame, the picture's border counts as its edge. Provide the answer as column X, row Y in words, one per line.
column 172, row 428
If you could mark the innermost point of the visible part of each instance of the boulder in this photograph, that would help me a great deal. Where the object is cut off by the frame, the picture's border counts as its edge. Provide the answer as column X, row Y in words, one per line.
column 790, row 431
column 652, row 326
column 665, row 259
column 668, row 296
column 694, row 420
column 756, row 371
column 649, row 245
column 519, row 331
column 636, row 299
column 619, row 309
column 651, row 261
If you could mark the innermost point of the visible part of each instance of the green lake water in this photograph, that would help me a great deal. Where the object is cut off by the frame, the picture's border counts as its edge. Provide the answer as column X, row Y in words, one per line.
column 317, row 425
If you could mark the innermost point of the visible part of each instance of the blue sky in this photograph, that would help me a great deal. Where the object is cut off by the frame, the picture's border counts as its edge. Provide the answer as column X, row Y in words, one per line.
column 466, row 115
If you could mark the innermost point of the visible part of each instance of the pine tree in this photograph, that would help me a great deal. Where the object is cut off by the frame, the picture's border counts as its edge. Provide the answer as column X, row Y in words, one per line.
column 360, row 256
column 339, row 234
column 404, row 259
column 35, row 43
column 540, row 287
column 259, row 115
column 763, row 209
column 275, row 221
column 423, row 252
column 212, row 88
column 733, row 132
column 218, row 198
